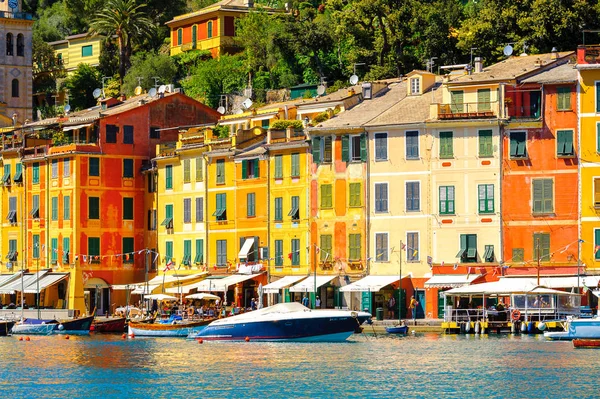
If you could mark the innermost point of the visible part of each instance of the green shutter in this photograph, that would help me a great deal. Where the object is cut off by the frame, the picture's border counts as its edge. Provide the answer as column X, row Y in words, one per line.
column 169, row 177
column 66, row 207
column 256, row 169
column 199, row 176
column 295, row 164
column 463, row 246
column 471, row 245
column 186, row 171
column 484, row 100
column 244, row 170
column 597, row 96
column 199, row 251
column 548, row 205
column 456, row 101
column 278, row 166
column 363, row 147
column 54, row 208
column 54, row 249
column 596, row 244
column 537, row 196
column 485, row 143
column 446, row 145
column 66, row 249
column 355, row 194
column 316, row 150
column 345, row 149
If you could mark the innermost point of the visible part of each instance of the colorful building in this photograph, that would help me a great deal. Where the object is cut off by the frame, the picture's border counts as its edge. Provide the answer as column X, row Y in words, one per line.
column 78, row 49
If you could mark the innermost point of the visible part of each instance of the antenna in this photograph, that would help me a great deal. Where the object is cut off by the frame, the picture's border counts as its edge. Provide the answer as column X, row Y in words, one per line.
column 139, row 78
column 507, row 50
column 156, row 80
column 473, row 48
column 97, row 93
column 431, row 63
column 103, row 79
column 152, row 92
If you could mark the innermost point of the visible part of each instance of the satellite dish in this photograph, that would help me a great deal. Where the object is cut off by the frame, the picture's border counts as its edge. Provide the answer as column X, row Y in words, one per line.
column 247, row 103
column 96, row 93
column 508, row 50
column 221, row 110
column 138, row 90
column 67, row 108
column 162, row 88
column 238, row 111
column 353, row 79
column 152, row 92
column 321, row 90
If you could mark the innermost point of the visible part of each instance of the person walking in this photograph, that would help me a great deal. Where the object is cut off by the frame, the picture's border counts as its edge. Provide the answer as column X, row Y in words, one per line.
column 392, row 306
column 413, row 307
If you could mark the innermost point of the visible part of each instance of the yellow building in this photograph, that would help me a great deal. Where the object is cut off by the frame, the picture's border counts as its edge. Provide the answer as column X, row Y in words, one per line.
column 78, row 49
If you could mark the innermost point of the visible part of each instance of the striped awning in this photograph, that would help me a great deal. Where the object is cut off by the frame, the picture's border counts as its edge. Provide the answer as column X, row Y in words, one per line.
column 451, row 280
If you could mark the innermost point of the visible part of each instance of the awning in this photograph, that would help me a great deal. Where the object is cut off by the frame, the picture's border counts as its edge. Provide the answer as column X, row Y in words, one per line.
column 505, row 286
column 18, row 284
column 95, row 282
column 451, row 280
column 175, row 278
column 141, row 289
column 246, row 248
column 308, row 285
column 45, row 282
column 7, row 278
column 75, row 127
column 213, row 285
column 370, row 283
column 559, row 281
column 284, row 282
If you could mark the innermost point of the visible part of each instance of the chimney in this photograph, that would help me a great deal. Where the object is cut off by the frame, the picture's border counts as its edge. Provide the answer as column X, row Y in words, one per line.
column 554, row 54
column 249, row 3
column 367, row 91
column 478, row 65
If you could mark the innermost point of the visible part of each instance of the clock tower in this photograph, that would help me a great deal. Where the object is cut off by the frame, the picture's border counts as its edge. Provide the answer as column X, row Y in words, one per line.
column 16, row 77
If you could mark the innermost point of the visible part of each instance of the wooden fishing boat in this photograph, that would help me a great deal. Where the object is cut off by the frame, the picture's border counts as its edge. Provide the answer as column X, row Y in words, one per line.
column 34, row 327
column 166, row 330
column 5, row 327
column 115, row 325
column 397, row 329
column 586, row 343
column 75, row 326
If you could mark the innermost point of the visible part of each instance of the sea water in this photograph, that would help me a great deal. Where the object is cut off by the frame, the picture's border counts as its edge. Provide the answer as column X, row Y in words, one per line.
column 415, row 366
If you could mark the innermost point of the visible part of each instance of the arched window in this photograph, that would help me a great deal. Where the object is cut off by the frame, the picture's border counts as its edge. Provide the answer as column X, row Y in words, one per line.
column 194, row 35
column 9, row 44
column 209, row 32
column 20, row 45
column 179, row 36
column 15, row 87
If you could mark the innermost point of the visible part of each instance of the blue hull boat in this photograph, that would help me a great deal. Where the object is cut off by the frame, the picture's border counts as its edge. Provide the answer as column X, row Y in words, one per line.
column 286, row 322
column 401, row 329
column 577, row 329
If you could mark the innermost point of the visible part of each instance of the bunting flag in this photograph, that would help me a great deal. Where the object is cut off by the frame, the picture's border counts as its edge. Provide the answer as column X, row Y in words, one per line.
column 290, row 255
column 415, row 252
column 596, row 248
column 84, row 258
column 169, row 266
column 126, row 256
column 429, row 260
column 403, row 247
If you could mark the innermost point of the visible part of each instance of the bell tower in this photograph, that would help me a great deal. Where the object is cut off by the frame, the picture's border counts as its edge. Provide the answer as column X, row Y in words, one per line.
column 16, row 77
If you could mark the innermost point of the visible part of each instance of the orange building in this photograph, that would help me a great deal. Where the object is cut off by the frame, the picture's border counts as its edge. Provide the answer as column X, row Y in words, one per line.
column 540, row 174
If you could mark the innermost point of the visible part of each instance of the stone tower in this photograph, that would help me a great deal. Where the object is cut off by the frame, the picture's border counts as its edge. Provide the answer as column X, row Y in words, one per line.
column 16, row 79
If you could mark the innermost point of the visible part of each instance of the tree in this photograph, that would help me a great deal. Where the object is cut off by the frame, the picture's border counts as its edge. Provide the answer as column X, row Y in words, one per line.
column 47, row 68
column 81, row 85
column 147, row 66
column 128, row 21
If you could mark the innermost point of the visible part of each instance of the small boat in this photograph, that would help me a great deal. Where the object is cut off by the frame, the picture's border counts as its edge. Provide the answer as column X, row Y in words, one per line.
column 577, row 329
column 397, row 329
column 80, row 326
column 115, row 325
column 286, row 322
column 34, row 327
column 586, row 343
column 5, row 327
column 166, row 330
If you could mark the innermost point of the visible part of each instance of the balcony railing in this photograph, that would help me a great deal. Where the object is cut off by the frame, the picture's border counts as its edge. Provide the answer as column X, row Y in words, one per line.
column 467, row 110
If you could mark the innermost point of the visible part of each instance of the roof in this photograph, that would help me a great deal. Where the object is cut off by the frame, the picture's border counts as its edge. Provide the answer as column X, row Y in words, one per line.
column 229, row 5
column 511, row 68
column 565, row 73
column 338, row 95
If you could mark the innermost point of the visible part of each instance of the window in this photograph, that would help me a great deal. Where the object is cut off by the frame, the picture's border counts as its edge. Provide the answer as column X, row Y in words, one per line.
column 179, row 36
column 220, row 171
column 54, row 250
column 446, row 145
column 326, row 196
column 66, row 249
column 12, row 250
column 94, row 169
column 355, row 195
column 35, row 173
column 563, row 99
column 596, row 244
column 484, row 103
column 128, row 168
column 327, row 149
column 322, row 149
column 278, row 166
column 354, row 247
column 9, row 44
column 415, row 86
column 541, row 241
column 127, row 208
column 127, row 134
column 486, row 198
column 486, row 148
column 447, row 200
column 18, row 173
column 543, row 196
column 199, row 209
column 154, row 132
column 381, row 197
column 128, row 249
column 199, row 251
column 381, row 146
column 295, row 252
column 354, row 148
column 168, row 251
column 54, row 168
column 221, row 210
column 111, row 133
column 66, row 167
column 168, row 222
column 187, row 252
column 381, row 247
column 221, row 252
column 517, row 145
column 36, row 246
column 6, row 176
column 278, row 209
column 278, row 253
column 54, row 208
column 412, row 247
column 66, row 207
column 468, row 248
column 94, row 208
column 250, row 205
column 412, row 144
column 488, row 256
column 15, row 88
column 194, row 35
column 209, row 29
column 412, row 196
column 456, row 101
column 295, row 211
column 265, row 124
column 86, row 51
column 295, row 165
column 169, row 177
column 187, row 173
column 564, row 143
column 20, row 45
column 12, row 210
column 199, row 169
column 250, row 169
column 35, row 206
column 326, row 250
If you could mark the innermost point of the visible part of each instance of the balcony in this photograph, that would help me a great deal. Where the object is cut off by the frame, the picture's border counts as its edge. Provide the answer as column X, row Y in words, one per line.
column 466, row 110
column 284, row 136
column 588, row 56
column 523, row 104
column 75, row 147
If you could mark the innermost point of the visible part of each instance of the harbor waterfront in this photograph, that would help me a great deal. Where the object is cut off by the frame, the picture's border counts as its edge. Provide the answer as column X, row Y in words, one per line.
column 373, row 366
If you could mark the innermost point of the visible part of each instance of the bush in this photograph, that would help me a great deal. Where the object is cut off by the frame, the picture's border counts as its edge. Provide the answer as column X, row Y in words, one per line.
column 284, row 124
column 221, row 131
column 322, row 117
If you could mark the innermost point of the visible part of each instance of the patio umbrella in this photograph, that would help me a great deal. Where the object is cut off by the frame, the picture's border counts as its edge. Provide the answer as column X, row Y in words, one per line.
column 202, row 295
column 161, row 297
column 260, row 296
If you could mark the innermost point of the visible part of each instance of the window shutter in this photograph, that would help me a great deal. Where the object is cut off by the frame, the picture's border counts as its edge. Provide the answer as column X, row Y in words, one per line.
column 548, row 205
column 278, row 166
column 597, row 97
column 537, row 195
column 316, row 150
column 244, row 170
column 345, row 149
column 560, row 145
column 256, row 169
column 363, row 147
column 463, row 241
column 568, row 142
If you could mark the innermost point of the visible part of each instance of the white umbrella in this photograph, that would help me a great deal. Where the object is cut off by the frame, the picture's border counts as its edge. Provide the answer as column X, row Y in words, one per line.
column 202, row 295
column 161, row 297
column 260, row 296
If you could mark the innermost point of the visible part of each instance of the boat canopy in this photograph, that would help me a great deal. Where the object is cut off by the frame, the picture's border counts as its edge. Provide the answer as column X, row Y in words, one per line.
column 284, row 282
column 505, row 286
column 370, row 283
column 562, row 282
column 309, row 284
column 451, row 280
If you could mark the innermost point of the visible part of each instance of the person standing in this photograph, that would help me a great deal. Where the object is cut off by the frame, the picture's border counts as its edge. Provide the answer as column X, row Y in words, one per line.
column 392, row 307
column 318, row 303
column 305, row 300
column 413, row 307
